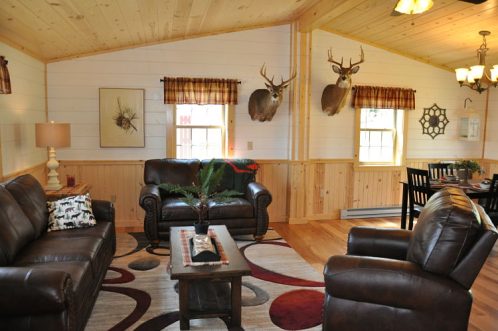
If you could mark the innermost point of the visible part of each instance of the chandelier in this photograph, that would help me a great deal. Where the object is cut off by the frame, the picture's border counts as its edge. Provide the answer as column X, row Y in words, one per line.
column 476, row 76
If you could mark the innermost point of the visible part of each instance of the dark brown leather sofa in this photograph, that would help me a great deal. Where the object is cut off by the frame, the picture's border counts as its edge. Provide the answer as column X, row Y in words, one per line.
column 245, row 215
column 402, row 280
column 49, row 280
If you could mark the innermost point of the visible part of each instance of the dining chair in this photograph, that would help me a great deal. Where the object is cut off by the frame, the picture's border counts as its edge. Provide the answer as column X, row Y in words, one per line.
column 491, row 205
column 418, row 192
column 438, row 170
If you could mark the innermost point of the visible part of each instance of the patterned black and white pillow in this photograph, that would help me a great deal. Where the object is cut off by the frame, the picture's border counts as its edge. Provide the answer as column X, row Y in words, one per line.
column 71, row 212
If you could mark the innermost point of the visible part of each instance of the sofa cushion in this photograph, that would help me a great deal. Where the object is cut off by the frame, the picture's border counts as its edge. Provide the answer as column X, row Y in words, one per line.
column 30, row 195
column 234, row 208
column 16, row 231
column 446, row 229
column 71, row 212
column 238, row 173
column 173, row 171
column 61, row 249
column 100, row 230
column 175, row 209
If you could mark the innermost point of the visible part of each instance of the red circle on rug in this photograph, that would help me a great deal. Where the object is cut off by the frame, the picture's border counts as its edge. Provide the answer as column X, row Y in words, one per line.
column 297, row 310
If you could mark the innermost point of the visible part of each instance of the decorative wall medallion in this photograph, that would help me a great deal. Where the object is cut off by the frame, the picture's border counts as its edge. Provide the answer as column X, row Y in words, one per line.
column 434, row 121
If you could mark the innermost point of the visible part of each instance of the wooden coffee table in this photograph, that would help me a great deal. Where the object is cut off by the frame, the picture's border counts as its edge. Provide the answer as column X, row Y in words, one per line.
column 210, row 290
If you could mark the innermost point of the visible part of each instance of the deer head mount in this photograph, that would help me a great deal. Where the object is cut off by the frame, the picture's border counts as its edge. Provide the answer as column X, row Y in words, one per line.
column 263, row 103
column 334, row 95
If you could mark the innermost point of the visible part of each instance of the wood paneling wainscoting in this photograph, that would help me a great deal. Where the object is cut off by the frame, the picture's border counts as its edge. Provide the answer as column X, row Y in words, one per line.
column 38, row 171
column 121, row 182
column 490, row 167
column 301, row 190
column 116, row 181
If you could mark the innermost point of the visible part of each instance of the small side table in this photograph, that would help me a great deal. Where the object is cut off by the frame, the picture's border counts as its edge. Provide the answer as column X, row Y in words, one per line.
column 67, row 191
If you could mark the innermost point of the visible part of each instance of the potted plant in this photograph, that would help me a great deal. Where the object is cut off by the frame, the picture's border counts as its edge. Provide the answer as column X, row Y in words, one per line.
column 465, row 169
column 198, row 195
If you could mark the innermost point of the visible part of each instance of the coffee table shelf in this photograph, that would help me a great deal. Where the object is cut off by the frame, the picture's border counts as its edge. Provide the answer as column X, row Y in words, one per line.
column 210, row 290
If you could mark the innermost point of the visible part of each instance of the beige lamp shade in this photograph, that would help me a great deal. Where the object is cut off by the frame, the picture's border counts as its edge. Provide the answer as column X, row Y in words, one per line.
column 53, row 134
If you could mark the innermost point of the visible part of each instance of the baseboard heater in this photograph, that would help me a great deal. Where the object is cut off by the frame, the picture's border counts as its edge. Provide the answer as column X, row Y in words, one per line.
column 370, row 212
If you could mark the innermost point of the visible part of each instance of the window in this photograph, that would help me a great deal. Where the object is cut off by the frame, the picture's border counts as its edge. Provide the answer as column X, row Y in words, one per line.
column 200, row 131
column 380, row 136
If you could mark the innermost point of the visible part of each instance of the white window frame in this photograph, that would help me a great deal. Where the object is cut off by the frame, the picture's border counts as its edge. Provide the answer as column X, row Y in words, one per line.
column 399, row 146
column 227, row 131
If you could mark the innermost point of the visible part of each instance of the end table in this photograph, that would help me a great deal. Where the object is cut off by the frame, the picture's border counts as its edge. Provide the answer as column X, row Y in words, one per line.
column 67, row 191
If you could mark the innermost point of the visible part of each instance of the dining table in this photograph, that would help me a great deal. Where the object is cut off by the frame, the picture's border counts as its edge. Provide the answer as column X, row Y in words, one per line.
column 472, row 190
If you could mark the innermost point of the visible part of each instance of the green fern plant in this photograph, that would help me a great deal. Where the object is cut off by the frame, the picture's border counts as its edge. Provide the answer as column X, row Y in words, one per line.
column 198, row 195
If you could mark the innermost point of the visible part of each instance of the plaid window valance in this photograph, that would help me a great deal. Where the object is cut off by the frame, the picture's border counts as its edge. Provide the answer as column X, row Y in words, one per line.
column 4, row 77
column 200, row 91
column 383, row 97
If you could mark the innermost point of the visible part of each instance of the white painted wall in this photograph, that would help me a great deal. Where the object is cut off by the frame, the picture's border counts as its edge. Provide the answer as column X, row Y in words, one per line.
column 73, row 90
column 491, row 151
column 333, row 136
column 20, row 111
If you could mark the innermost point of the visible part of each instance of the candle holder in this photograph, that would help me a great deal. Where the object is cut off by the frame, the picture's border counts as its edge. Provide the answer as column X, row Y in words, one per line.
column 70, row 181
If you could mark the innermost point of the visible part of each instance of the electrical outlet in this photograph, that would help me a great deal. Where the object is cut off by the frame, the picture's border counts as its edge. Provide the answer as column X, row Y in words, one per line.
column 250, row 145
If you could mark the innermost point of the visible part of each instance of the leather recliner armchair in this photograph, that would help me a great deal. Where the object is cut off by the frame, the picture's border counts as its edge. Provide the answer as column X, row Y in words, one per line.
column 246, row 214
column 394, row 279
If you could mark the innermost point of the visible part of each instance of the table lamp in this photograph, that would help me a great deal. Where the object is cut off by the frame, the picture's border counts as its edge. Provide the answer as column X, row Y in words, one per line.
column 53, row 135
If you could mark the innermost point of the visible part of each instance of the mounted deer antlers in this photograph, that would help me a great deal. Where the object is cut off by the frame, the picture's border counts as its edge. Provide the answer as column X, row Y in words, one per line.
column 334, row 95
column 263, row 103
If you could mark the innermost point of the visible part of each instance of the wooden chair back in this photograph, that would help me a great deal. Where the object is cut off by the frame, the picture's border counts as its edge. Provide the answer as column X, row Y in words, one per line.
column 418, row 187
column 438, row 170
column 492, row 199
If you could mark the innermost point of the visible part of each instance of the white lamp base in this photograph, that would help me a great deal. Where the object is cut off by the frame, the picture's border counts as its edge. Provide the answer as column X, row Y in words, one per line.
column 53, row 177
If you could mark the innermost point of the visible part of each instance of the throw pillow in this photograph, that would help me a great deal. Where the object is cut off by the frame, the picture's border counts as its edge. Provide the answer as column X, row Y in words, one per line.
column 71, row 212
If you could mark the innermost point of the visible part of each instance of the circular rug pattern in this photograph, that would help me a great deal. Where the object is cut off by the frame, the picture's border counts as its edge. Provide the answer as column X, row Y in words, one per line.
column 125, row 276
column 275, row 277
column 297, row 310
column 270, row 235
column 145, row 263
column 260, row 295
column 160, row 251
column 140, row 243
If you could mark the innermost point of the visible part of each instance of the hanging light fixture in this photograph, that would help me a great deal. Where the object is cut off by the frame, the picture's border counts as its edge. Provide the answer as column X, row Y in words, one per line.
column 476, row 76
column 413, row 6
column 4, row 77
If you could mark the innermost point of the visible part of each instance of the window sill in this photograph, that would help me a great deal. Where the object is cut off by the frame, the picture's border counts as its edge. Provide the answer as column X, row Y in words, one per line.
column 377, row 167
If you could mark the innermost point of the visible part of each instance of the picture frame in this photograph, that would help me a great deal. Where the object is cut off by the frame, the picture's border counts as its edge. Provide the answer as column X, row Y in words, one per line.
column 121, row 117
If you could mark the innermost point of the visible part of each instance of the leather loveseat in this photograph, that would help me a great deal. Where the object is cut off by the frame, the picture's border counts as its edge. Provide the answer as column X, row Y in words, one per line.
column 246, row 214
column 394, row 279
column 49, row 280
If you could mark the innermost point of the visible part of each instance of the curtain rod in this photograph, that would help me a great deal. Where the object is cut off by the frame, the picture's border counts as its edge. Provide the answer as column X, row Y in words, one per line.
column 415, row 91
column 162, row 81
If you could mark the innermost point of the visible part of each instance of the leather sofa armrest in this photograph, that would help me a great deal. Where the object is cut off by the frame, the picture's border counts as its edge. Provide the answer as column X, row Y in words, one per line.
column 150, row 201
column 394, row 283
column 257, row 193
column 260, row 198
column 149, row 191
column 103, row 210
column 379, row 242
column 28, row 291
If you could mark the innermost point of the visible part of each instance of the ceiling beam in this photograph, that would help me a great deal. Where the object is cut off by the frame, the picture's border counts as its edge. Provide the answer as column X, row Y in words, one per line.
column 323, row 12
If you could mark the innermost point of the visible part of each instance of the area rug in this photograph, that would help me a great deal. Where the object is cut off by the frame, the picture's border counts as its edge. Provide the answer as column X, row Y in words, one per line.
column 283, row 293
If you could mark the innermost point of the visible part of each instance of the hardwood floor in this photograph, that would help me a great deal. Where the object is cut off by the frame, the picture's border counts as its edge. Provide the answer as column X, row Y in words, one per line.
column 318, row 240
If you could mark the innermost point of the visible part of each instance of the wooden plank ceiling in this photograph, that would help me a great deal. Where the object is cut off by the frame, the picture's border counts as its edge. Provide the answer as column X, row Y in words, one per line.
column 446, row 35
